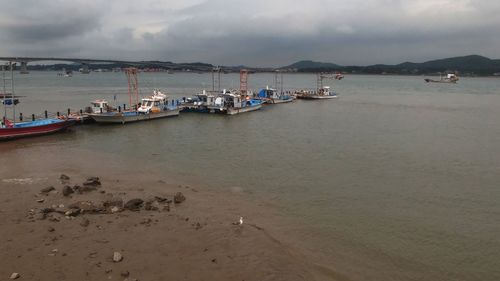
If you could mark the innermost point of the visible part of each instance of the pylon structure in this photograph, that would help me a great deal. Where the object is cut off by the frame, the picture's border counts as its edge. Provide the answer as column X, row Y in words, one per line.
column 243, row 81
column 133, row 86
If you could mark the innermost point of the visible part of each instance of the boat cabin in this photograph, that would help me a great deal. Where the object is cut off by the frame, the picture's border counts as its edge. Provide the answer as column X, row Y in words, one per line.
column 99, row 106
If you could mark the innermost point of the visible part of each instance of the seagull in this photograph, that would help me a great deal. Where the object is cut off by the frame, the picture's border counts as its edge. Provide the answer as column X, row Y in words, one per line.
column 240, row 222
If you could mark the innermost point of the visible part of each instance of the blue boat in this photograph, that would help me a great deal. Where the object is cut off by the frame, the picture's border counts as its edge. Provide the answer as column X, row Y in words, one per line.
column 271, row 96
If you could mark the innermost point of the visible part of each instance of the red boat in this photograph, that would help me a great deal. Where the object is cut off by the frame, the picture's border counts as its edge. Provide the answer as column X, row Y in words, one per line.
column 8, row 130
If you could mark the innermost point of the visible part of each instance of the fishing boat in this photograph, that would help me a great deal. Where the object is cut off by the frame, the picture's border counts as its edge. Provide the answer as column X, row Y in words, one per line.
column 233, row 102
column 271, row 96
column 198, row 103
column 12, row 128
column 449, row 78
column 322, row 93
column 153, row 107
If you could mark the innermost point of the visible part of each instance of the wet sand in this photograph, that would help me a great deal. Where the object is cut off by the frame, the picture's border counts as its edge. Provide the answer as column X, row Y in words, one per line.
column 194, row 240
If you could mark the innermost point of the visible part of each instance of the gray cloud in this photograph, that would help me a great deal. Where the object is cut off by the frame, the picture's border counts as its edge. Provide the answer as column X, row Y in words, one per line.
column 258, row 33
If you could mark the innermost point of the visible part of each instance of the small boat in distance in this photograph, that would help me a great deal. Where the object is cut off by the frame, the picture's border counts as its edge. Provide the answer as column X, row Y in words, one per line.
column 323, row 93
column 449, row 78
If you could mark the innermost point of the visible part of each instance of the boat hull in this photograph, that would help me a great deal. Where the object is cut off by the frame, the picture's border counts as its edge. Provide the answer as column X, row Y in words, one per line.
column 440, row 81
column 125, row 117
column 24, row 132
column 277, row 101
column 234, row 111
column 316, row 97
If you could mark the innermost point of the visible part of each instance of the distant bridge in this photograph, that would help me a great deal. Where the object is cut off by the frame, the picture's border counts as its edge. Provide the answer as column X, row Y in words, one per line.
column 86, row 62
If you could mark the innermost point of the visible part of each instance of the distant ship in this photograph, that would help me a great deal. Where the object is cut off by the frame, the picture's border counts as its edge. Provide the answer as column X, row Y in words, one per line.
column 450, row 78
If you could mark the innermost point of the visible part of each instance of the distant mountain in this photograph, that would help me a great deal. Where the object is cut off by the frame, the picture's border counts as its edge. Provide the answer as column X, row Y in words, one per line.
column 309, row 64
column 473, row 64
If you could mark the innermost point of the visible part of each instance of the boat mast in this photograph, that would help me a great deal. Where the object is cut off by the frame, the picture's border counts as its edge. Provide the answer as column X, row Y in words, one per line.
column 319, row 81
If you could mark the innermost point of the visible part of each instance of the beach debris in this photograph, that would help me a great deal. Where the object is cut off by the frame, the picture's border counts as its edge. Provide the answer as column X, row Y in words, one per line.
column 113, row 202
column 125, row 273
column 15, row 275
column 85, row 207
column 240, row 222
column 108, row 270
column 47, row 189
column 85, row 188
column 151, row 205
column 166, row 208
column 64, row 177
column 92, row 181
column 67, row 190
column 162, row 199
column 179, row 198
column 115, row 209
column 117, row 257
column 40, row 200
column 134, row 204
column 51, row 229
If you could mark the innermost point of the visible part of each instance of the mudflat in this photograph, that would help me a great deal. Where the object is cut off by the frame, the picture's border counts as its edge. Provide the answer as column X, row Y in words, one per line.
column 58, row 228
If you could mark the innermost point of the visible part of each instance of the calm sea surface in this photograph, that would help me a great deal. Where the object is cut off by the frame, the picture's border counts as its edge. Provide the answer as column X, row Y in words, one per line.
column 395, row 180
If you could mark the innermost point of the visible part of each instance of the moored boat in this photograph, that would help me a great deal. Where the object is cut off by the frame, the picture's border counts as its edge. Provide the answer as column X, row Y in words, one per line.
column 11, row 130
column 153, row 107
column 232, row 103
column 271, row 96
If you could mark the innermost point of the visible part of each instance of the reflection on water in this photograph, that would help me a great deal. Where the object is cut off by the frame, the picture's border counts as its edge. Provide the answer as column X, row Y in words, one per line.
column 395, row 180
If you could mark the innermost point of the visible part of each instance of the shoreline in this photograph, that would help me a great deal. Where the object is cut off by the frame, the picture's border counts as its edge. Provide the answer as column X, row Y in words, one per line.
column 194, row 240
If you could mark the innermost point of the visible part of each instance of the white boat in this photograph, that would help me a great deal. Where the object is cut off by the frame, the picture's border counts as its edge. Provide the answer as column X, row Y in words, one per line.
column 232, row 103
column 322, row 93
column 449, row 78
column 153, row 107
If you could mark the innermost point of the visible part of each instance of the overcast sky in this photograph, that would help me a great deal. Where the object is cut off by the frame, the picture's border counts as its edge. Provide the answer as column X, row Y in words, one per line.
column 251, row 32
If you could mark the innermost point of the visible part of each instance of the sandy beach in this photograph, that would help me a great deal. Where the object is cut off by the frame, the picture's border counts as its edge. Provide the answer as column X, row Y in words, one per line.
column 44, row 238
